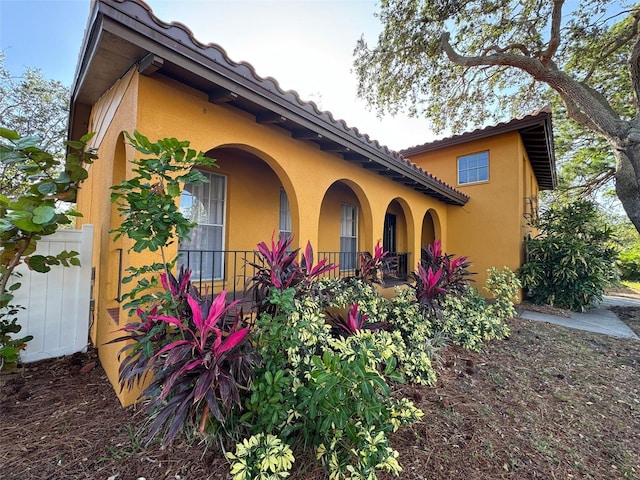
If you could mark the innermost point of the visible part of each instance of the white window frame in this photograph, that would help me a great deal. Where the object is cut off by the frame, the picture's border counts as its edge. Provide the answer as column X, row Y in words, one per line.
column 476, row 163
column 284, row 218
column 215, row 275
column 348, row 232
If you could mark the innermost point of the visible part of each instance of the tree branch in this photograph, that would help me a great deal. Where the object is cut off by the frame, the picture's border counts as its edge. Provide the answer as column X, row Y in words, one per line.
column 581, row 104
column 554, row 40
column 530, row 65
column 594, row 183
column 575, row 113
column 634, row 70
column 514, row 46
column 613, row 46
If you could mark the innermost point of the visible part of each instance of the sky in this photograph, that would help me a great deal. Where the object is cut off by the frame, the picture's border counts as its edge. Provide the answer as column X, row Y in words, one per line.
column 306, row 45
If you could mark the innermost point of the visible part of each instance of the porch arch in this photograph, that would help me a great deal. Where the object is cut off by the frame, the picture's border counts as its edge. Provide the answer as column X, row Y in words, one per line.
column 254, row 181
column 431, row 229
column 339, row 196
column 398, row 234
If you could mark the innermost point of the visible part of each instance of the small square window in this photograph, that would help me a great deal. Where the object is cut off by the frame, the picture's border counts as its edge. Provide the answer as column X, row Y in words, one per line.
column 473, row 168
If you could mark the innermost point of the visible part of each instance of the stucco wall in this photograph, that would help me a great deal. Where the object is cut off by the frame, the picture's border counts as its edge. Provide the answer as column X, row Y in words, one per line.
column 257, row 160
column 490, row 228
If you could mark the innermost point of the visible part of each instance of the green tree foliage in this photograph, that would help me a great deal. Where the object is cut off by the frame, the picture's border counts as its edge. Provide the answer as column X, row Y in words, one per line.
column 148, row 205
column 628, row 241
column 464, row 64
column 26, row 218
column 572, row 260
column 33, row 106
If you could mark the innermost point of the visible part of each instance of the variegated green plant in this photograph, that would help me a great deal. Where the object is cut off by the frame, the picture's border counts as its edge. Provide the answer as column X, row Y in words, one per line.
column 261, row 457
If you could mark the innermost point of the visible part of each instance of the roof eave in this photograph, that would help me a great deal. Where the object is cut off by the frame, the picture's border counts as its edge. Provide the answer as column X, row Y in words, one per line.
column 207, row 68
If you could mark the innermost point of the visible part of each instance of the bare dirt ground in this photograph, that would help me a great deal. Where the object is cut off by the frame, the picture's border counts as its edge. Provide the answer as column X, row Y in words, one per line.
column 548, row 403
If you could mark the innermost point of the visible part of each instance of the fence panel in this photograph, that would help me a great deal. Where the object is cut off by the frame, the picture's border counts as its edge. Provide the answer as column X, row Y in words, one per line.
column 56, row 303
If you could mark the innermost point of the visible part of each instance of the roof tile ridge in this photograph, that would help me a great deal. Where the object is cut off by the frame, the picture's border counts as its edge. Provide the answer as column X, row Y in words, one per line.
column 291, row 96
column 417, row 167
column 286, row 94
column 546, row 109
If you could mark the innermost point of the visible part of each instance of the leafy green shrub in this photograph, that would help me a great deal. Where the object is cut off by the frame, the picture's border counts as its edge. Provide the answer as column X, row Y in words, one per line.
column 29, row 215
column 629, row 264
column 469, row 319
column 9, row 345
column 572, row 261
column 402, row 316
column 261, row 457
column 148, row 205
column 342, row 293
column 348, row 412
column 330, row 393
column 504, row 286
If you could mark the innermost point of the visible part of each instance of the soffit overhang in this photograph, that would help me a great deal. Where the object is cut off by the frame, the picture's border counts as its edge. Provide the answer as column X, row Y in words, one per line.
column 124, row 33
column 536, row 132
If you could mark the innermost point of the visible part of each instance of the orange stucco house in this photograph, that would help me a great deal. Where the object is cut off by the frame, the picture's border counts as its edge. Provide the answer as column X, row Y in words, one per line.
column 284, row 166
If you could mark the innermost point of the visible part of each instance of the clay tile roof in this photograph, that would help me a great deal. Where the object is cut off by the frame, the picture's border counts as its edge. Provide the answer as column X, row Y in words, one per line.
column 122, row 33
column 536, row 131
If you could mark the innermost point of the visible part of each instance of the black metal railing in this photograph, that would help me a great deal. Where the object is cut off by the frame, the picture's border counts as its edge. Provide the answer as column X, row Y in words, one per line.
column 230, row 270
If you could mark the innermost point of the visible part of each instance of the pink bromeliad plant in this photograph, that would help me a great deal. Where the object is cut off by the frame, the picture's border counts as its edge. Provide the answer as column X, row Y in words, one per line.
column 202, row 372
column 372, row 266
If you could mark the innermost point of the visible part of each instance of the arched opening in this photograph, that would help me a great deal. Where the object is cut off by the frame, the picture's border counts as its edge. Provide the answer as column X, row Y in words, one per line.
column 430, row 228
column 244, row 202
column 344, row 226
column 395, row 240
column 115, row 249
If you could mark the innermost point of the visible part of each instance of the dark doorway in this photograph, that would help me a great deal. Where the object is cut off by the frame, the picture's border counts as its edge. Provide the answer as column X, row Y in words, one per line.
column 397, row 268
column 389, row 235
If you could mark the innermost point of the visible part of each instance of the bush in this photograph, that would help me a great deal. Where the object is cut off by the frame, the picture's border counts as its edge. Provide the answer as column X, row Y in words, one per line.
column 469, row 320
column 261, row 457
column 331, row 393
column 629, row 264
column 293, row 378
column 29, row 213
column 572, row 261
column 439, row 275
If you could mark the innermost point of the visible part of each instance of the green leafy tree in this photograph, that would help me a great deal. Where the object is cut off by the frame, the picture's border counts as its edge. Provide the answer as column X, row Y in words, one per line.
column 572, row 261
column 464, row 63
column 586, row 163
column 148, row 204
column 33, row 106
column 26, row 218
column 628, row 242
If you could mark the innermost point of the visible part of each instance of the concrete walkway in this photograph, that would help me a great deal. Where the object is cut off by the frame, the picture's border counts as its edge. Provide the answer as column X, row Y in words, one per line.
column 600, row 320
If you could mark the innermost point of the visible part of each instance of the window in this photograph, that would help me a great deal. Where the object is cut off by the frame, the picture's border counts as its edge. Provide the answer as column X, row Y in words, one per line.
column 285, row 216
column 205, row 205
column 473, row 168
column 348, row 237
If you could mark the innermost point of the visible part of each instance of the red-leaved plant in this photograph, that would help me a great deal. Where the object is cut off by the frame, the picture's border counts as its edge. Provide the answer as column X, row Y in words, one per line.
column 201, row 373
column 144, row 336
column 372, row 267
column 355, row 322
column 439, row 274
column 278, row 267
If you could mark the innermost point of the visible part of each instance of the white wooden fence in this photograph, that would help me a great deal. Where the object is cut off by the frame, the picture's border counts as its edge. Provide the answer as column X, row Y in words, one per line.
column 57, row 302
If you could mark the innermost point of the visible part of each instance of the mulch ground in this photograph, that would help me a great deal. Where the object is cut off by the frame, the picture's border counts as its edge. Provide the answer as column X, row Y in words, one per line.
column 548, row 403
